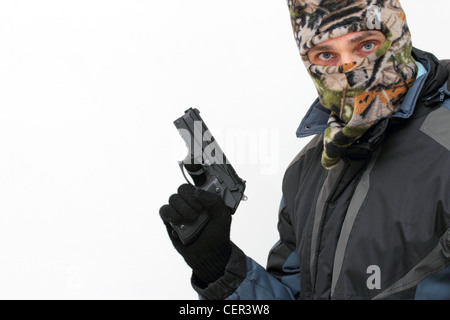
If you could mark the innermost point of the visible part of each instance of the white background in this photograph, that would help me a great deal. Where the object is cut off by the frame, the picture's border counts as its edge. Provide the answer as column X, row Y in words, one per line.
column 88, row 151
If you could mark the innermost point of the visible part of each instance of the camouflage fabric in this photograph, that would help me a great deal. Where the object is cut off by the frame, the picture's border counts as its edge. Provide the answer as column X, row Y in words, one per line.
column 359, row 93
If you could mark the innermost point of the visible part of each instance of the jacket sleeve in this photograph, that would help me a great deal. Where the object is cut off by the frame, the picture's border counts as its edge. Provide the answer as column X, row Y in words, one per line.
column 245, row 279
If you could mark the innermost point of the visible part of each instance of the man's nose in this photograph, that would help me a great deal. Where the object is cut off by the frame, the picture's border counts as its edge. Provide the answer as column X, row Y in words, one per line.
column 347, row 57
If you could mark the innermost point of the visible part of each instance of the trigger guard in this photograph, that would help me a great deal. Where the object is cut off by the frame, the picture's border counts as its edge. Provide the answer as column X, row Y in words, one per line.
column 181, row 164
column 192, row 174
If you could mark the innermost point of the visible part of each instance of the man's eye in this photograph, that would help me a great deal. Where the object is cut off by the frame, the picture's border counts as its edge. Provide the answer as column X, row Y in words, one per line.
column 368, row 46
column 325, row 56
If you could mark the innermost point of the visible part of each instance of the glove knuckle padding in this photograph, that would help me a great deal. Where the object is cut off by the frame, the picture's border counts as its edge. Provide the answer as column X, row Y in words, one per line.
column 186, row 189
column 187, row 192
column 169, row 215
column 182, row 207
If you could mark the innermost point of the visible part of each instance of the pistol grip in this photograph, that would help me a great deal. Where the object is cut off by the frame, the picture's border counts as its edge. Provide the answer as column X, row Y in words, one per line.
column 188, row 232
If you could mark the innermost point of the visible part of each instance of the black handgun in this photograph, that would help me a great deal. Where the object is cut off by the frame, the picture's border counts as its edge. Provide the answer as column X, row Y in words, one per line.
column 209, row 169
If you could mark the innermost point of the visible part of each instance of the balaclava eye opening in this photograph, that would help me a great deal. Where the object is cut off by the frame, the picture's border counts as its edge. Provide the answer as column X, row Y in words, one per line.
column 360, row 93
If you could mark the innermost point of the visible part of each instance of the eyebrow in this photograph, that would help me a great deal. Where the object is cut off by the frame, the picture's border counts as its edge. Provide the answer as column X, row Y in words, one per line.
column 321, row 47
column 363, row 36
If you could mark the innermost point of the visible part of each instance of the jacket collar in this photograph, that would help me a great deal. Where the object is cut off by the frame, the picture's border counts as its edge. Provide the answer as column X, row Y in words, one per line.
column 315, row 121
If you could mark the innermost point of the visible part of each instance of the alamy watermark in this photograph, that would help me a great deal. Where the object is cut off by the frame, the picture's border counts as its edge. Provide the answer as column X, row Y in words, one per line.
column 249, row 146
column 374, row 17
column 374, row 280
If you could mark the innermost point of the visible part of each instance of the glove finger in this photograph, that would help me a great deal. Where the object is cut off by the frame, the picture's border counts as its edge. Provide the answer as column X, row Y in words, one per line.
column 182, row 208
column 187, row 192
column 208, row 199
column 169, row 215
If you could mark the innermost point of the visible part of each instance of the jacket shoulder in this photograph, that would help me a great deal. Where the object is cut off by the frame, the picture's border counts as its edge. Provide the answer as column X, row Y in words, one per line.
column 304, row 168
column 437, row 125
column 316, row 142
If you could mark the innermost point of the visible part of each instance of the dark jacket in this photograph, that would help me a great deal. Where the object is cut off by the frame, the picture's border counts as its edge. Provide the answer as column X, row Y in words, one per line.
column 375, row 227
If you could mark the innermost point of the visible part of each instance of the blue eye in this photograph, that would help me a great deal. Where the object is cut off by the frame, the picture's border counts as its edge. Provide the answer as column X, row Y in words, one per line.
column 325, row 56
column 368, row 46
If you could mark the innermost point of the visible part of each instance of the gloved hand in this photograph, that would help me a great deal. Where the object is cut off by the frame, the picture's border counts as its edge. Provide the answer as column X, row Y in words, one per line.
column 210, row 252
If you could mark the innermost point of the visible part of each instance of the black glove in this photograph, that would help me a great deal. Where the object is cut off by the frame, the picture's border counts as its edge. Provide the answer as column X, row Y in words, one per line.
column 210, row 252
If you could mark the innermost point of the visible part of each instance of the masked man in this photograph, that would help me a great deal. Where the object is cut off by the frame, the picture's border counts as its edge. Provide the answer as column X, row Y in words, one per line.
column 365, row 212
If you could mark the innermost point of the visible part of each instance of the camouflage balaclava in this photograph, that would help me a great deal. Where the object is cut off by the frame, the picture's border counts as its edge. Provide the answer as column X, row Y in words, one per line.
column 361, row 92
